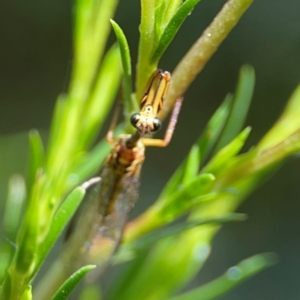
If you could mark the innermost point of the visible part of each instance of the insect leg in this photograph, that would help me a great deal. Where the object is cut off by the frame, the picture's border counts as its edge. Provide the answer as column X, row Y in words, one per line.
column 170, row 130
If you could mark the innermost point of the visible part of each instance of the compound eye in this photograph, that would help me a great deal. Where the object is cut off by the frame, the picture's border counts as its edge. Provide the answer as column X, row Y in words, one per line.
column 134, row 119
column 157, row 124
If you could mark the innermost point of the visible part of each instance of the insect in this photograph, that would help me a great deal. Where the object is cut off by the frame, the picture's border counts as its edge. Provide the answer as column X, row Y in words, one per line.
column 104, row 211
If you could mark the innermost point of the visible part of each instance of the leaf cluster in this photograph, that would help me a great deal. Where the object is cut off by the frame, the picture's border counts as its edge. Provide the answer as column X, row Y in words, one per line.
column 203, row 193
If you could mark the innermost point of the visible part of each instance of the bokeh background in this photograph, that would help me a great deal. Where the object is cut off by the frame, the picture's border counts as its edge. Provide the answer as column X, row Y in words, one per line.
column 35, row 61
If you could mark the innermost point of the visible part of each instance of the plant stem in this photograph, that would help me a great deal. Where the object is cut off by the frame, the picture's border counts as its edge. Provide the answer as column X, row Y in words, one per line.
column 202, row 50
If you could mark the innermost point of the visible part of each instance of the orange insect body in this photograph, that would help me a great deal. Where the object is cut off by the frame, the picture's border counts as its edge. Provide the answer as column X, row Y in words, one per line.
column 104, row 211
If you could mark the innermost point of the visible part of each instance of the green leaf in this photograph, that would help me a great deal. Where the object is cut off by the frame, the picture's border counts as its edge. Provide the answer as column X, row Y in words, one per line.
column 11, row 220
column 146, row 44
column 116, row 292
column 205, row 143
column 90, row 34
column 61, row 219
column 159, row 19
column 148, row 239
column 173, row 26
column 222, row 158
column 128, row 252
column 192, row 165
column 55, row 132
column 91, row 163
column 27, row 241
column 82, row 17
column 102, row 97
column 174, row 182
column 129, row 105
column 103, row 10
column 6, row 250
column 13, row 208
column 69, row 285
column 288, row 123
column 233, row 277
column 241, row 102
column 177, row 203
column 214, row 127
column 202, row 50
column 172, row 205
column 27, row 295
column 171, row 9
column 36, row 156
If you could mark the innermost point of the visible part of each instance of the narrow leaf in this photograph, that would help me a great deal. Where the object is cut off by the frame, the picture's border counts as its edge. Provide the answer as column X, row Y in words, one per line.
column 159, row 19
column 202, row 50
column 36, row 156
column 147, row 35
column 234, row 276
column 128, row 252
column 205, row 143
column 58, row 121
column 148, row 239
column 171, row 9
column 214, row 127
column 174, row 182
column 184, row 10
column 124, row 49
column 90, row 34
column 93, row 160
column 27, row 295
column 177, row 203
column 241, row 102
column 172, row 205
column 13, row 207
column 61, row 219
column 28, row 239
column 222, row 158
column 192, row 165
column 129, row 105
column 103, row 95
column 68, row 286
column 11, row 220
column 288, row 123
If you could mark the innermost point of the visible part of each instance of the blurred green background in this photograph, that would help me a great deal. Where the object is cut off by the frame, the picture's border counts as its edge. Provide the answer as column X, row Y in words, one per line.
column 35, row 62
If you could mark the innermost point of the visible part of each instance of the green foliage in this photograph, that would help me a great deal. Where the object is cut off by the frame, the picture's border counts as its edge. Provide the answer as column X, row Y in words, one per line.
column 11, row 220
column 234, row 276
column 160, row 21
column 165, row 28
column 133, row 249
column 204, row 191
column 76, row 122
column 61, row 219
column 69, row 285
column 129, row 106
column 240, row 105
column 36, row 156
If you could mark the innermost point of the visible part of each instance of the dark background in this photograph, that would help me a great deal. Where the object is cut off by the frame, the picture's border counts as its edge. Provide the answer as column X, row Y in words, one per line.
column 35, row 58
